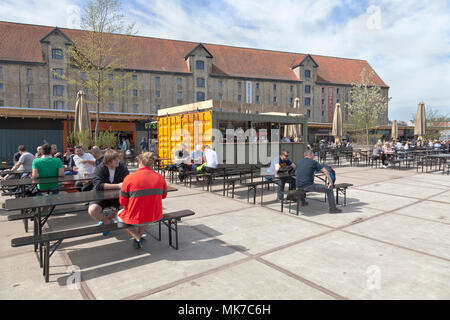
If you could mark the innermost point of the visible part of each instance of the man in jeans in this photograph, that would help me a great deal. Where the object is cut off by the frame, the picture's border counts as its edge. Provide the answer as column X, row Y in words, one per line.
column 280, row 169
column 109, row 175
column 305, row 180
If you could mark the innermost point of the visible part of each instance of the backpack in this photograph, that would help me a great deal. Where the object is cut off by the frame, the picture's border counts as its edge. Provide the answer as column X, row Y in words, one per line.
column 331, row 172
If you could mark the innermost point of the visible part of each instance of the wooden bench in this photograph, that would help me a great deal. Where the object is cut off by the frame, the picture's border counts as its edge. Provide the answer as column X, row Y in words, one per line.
column 340, row 188
column 45, row 239
column 252, row 186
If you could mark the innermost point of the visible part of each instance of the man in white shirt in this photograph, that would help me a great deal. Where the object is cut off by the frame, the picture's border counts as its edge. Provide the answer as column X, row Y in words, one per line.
column 197, row 157
column 84, row 162
column 406, row 146
column 210, row 157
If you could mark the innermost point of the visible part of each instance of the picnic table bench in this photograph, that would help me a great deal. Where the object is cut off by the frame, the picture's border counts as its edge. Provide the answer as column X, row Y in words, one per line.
column 294, row 196
column 169, row 219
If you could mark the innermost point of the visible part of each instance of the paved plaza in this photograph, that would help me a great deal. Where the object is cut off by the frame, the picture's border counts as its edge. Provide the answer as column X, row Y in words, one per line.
column 392, row 241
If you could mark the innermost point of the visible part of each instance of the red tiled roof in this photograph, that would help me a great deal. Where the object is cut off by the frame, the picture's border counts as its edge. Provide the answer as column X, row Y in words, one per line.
column 20, row 42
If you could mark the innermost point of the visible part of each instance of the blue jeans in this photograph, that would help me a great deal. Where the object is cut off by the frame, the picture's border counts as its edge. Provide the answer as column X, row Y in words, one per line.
column 281, row 182
column 323, row 189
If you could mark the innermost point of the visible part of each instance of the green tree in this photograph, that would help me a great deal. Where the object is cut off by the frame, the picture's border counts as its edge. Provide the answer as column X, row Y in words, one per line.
column 435, row 120
column 368, row 107
column 99, row 55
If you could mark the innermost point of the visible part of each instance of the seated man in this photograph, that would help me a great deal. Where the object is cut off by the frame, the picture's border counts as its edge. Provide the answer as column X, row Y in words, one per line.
column 97, row 153
column 305, row 180
column 182, row 161
column 45, row 167
column 196, row 157
column 23, row 164
column 210, row 158
column 109, row 175
column 280, row 166
column 84, row 164
column 141, row 197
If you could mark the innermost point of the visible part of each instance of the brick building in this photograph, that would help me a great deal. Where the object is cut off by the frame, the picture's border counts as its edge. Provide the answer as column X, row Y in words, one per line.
column 170, row 73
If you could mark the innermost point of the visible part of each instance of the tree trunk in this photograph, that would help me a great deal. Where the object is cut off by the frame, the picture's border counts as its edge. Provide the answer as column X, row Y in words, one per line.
column 367, row 134
column 97, row 120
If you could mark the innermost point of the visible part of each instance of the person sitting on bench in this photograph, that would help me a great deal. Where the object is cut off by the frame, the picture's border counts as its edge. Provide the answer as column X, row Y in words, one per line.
column 305, row 180
column 24, row 163
column 141, row 196
column 109, row 175
column 182, row 161
column 210, row 158
column 47, row 167
column 282, row 164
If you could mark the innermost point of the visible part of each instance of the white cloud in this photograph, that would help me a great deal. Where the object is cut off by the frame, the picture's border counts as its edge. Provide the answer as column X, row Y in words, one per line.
column 406, row 42
column 61, row 13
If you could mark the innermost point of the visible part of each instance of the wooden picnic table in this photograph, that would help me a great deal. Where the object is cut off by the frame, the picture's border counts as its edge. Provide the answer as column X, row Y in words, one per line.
column 21, row 184
column 49, row 202
column 31, row 181
column 443, row 158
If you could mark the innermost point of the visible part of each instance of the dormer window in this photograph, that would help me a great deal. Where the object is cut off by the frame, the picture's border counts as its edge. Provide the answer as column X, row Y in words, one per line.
column 200, row 65
column 57, row 54
column 307, row 73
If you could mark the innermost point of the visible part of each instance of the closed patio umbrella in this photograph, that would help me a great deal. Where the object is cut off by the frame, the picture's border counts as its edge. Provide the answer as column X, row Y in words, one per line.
column 82, row 118
column 394, row 131
column 293, row 130
column 337, row 123
column 420, row 126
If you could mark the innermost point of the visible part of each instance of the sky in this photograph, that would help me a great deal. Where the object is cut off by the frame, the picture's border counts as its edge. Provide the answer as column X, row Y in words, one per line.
column 407, row 42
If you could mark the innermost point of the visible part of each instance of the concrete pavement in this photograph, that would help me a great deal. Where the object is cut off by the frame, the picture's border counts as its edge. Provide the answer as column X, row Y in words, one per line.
column 392, row 241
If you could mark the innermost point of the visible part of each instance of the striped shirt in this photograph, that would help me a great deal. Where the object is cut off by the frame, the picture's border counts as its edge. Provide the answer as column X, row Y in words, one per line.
column 141, row 196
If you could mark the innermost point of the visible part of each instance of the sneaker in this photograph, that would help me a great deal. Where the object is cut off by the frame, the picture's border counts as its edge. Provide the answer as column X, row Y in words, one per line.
column 336, row 210
column 106, row 232
column 139, row 244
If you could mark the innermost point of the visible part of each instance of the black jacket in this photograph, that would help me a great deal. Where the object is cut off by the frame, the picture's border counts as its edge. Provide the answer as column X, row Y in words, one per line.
column 101, row 175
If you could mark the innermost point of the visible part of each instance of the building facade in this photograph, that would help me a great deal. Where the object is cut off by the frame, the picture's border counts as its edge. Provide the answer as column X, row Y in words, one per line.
column 168, row 73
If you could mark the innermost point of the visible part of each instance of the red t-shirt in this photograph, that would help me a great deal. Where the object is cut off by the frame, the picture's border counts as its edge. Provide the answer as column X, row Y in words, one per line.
column 141, row 196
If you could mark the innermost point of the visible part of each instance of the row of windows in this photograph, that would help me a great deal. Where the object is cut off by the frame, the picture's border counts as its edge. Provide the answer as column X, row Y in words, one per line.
column 323, row 90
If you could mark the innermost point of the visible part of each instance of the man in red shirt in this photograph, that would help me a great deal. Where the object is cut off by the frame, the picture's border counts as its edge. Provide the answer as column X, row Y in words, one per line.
column 141, row 196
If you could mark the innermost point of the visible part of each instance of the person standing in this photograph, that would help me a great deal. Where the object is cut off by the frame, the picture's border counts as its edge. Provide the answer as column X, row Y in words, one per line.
column 143, row 146
column 305, row 180
column 141, row 196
